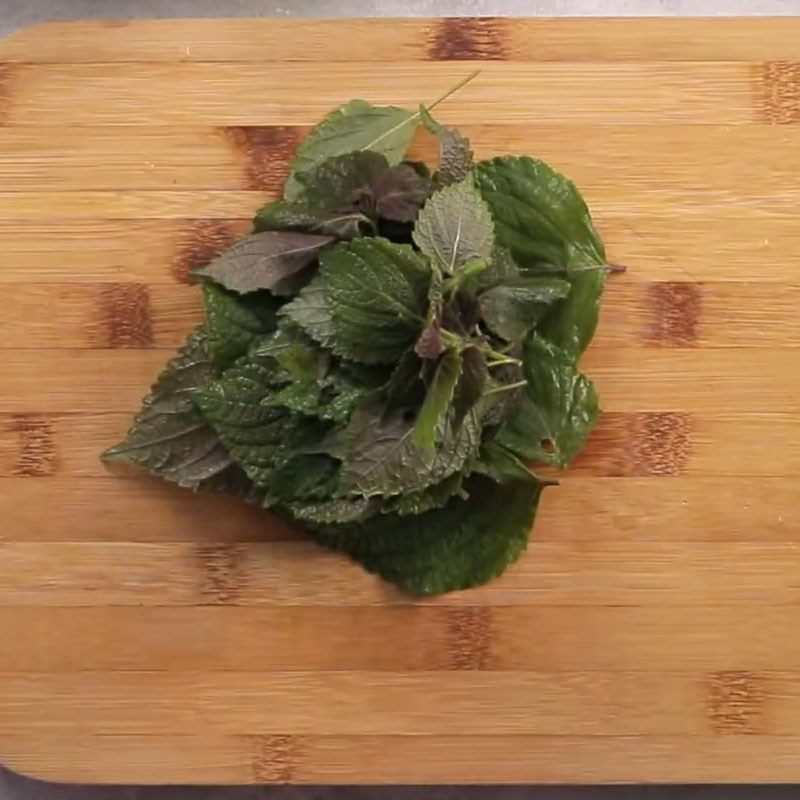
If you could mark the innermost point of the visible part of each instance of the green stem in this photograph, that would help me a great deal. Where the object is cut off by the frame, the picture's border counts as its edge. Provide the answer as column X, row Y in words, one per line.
column 453, row 90
column 506, row 387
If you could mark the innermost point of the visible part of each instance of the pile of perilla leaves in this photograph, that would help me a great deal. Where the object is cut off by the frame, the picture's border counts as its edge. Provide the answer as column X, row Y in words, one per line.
column 389, row 351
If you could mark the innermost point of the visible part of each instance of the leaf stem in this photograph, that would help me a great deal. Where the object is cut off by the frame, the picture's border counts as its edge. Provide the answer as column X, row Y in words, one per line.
column 507, row 360
column 506, row 387
column 450, row 92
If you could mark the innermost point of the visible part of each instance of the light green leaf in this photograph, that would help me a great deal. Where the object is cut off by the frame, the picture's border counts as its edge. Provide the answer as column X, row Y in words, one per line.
column 264, row 260
column 377, row 294
column 558, row 410
column 310, row 312
column 455, row 227
column 514, row 307
column 337, row 510
column 358, row 125
column 169, row 438
column 423, row 500
column 234, row 322
column 538, row 214
column 464, row 544
column 437, row 401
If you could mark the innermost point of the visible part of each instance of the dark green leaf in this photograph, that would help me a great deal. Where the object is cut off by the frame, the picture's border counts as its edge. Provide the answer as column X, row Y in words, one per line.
column 234, row 322
column 344, row 181
column 310, row 312
column 284, row 216
column 558, row 410
column 404, row 388
column 455, row 227
column 514, row 307
column 425, row 499
column 381, row 458
column 252, row 431
column 169, row 438
column 438, row 400
column 538, row 214
column 455, row 154
column 501, row 465
column 358, row 125
column 265, row 261
column 572, row 322
column 464, row 544
column 474, row 376
column 377, row 294
column 501, row 268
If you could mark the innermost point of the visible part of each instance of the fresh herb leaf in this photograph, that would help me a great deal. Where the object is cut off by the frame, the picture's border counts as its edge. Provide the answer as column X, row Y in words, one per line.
column 455, row 227
column 464, row 544
column 572, row 322
column 379, row 362
column 234, row 322
column 380, row 457
column 377, row 294
column 168, row 437
column 437, row 401
column 423, row 500
column 284, row 216
column 252, row 432
column 265, row 261
column 558, row 410
column 471, row 383
column 357, row 125
column 455, row 153
column 538, row 214
column 514, row 307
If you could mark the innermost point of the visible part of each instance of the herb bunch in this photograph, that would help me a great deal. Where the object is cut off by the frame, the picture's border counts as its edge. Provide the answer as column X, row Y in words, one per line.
column 388, row 351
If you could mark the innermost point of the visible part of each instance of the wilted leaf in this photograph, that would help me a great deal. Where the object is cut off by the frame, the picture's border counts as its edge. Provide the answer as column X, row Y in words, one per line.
column 264, row 260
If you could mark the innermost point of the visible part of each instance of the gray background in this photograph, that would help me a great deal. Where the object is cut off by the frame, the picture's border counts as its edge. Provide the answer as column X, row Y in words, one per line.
column 17, row 13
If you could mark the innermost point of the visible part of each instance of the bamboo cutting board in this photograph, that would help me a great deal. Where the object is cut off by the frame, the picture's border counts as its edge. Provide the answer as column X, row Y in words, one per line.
column 650, row 632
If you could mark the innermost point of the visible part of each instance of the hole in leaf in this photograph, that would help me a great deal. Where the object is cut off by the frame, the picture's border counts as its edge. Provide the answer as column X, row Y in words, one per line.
column 548, row 445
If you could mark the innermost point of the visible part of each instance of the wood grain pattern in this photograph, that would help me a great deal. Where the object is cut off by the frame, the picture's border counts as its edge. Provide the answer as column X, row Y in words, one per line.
column 648, row 632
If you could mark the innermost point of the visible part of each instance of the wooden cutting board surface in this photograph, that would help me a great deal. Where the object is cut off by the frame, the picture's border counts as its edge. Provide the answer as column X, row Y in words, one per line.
column 651, row 631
